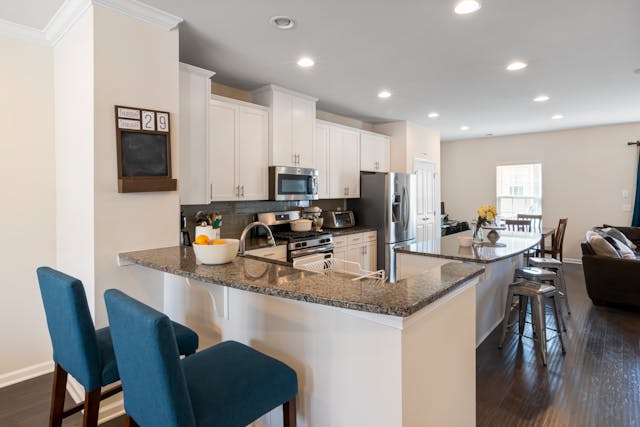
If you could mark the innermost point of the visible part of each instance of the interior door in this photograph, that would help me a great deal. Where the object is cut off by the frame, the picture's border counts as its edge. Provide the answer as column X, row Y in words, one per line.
column 223, row 125
column 425, row 200
column 253, row 144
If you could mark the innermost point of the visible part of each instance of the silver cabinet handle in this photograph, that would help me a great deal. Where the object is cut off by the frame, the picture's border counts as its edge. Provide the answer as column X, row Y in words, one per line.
column 242, row 195
column 294, row 158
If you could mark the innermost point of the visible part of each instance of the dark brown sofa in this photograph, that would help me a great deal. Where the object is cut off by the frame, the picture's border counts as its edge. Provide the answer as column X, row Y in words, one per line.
column 612, row 280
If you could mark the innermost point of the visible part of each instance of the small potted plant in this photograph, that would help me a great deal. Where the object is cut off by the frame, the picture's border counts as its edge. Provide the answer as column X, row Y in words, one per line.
column 486, row 215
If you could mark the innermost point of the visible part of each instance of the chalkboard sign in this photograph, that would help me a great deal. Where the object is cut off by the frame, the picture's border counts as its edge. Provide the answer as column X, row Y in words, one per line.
column 144, row 154
column 144, row 150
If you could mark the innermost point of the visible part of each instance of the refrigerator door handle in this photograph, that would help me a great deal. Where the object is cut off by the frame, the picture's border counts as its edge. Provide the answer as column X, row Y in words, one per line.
column 405, row 208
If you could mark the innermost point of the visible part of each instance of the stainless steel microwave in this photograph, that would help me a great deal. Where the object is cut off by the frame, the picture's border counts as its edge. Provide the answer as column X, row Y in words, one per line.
column 289, row 183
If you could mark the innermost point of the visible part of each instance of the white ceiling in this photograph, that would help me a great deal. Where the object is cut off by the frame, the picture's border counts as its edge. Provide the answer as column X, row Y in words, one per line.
column 582, row 53
column 32, row 13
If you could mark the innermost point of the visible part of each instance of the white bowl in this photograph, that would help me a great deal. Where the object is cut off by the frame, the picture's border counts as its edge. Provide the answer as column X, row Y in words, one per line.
column 217, row 254
column 465, row 241
column 301, row 225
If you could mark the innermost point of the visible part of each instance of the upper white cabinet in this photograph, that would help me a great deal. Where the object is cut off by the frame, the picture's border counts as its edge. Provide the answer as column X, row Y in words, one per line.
column 374, row 152
column 237, row 150
column 292, row 126
column 195, row 92
column 321, row 158
column 344, row 162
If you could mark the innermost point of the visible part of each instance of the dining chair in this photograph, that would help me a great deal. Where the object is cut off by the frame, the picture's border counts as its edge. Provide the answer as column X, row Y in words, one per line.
column 534, row 220
column 81, row 350
column 229, row 384
column 557, row 245
column 518, row 225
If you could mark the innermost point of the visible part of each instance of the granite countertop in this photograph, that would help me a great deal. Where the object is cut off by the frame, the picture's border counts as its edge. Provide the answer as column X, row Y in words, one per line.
column 448, row 247
column 338, row 290
column 336, row 232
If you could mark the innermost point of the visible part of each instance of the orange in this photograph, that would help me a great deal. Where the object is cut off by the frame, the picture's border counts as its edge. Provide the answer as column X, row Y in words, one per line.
column 201, row 240
column 218, row 242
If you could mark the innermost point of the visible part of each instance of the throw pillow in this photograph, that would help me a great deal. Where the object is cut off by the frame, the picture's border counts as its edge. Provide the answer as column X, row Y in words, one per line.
column 600, row 245
column 625, row 251
column 619, row 235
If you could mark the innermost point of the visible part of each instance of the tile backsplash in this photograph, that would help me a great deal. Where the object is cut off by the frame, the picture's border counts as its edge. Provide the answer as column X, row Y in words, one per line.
column 236, row 215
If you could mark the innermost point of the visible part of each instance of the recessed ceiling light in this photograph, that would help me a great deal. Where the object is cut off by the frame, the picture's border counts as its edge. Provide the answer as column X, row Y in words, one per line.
column 541, row 98
column 306, row 62
column 464, row 127
column 384, row 94
column 433, row 115
column 282, row 22
column 517, row 65
column 467, row 6
column 557, row 117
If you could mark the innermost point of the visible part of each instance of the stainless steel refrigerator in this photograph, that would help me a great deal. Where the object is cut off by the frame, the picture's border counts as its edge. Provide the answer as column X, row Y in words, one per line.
column 388, row 202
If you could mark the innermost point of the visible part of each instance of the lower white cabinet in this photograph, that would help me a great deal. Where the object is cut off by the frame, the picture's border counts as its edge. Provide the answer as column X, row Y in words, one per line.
column 358, row 247
column 238, row 154
column 374, row 152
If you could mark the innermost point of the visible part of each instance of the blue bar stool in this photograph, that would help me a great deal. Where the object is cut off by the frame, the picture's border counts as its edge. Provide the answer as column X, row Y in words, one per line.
column 229, row 384
column 81, row 350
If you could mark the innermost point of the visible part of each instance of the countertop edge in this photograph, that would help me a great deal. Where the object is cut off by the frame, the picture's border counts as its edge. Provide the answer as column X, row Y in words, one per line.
column 402, row 312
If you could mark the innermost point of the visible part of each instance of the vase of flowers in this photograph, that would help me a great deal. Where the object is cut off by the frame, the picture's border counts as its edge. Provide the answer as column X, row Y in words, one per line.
column 486, row 215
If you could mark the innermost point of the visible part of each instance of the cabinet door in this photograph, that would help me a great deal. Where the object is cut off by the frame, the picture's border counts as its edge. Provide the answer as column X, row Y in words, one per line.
column 355, row 254
column 371, row 256
column 195, row 91
column 340, row 253
column 385, row 154
column 223, row 127
column 321, row 159
column 282, row 122
column 351, row 162
column 337, row 183
column 374, row 152
column 253, row 161
column 304, row 120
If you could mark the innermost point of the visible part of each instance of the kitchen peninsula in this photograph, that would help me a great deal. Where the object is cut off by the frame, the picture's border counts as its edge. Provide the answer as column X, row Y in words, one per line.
column 499, row 261
column 366, row 352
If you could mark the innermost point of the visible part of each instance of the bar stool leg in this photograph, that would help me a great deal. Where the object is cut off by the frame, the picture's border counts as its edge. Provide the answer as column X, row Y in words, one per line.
column 538, row 309
column 507, row 316
column 558, row 318
column 522, row 313
column 564, row 289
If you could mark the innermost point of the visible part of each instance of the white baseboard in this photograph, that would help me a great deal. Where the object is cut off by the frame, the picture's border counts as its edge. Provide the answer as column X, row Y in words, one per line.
column 484, row 337
column 109, row 409
column 26, row 373
column 573, row 261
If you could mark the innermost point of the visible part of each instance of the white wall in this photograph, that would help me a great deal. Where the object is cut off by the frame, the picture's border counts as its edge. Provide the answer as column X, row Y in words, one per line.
column 73, row 80
column 27, row 217
column 137, row 65
column 583, row 174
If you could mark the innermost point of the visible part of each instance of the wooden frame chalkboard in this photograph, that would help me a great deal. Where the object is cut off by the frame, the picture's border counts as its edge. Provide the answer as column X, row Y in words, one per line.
column 143, row 143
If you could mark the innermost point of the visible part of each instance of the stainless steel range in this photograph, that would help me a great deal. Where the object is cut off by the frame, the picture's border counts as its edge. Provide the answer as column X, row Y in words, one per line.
column 301, row 245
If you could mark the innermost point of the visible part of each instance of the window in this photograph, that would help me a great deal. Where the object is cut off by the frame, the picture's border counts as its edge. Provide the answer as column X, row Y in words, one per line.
column 519, row 189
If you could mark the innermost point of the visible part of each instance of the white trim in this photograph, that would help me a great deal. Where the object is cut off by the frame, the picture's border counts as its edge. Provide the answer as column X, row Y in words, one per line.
column 25, row 373
column 197, row 70
column 484, row 337
column 11, row 29
column 573, row 261
column 62, row 21
column 227, row 100
column 143, row 12
column 71, row 10
column 276, row 88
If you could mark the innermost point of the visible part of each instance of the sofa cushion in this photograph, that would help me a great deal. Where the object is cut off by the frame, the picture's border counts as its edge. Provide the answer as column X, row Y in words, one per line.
column 624, row 250
column 619, row 235
column 632, row 233
column 600, row 246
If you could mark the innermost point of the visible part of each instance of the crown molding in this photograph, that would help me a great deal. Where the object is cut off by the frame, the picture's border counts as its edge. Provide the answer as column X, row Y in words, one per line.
column 197, row 70
column 143, row 12
column 64, row 18
column 11, row 29
column 72, row 10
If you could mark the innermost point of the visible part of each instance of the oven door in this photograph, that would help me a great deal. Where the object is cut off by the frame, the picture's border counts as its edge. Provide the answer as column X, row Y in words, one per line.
column 287, row 183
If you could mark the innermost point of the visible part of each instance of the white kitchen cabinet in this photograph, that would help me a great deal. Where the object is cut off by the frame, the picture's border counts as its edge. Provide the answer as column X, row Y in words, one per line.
column 195, row 92
column 344, row 162
column 237, row 150
column 292, row 126
column 321, row 158
column 359, row 247
column 374, row 152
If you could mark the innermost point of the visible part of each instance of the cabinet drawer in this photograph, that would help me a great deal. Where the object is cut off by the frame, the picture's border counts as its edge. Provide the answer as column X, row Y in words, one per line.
column 278, row 253
column 357, row 239
column 340, row 241
column 370, row 236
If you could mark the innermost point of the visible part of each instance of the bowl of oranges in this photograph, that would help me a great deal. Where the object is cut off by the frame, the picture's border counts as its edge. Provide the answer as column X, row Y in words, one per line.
column 218, row 251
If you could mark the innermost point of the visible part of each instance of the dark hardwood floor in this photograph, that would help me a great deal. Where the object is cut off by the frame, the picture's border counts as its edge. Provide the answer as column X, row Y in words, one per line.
column 597, row 383
column 26, row 404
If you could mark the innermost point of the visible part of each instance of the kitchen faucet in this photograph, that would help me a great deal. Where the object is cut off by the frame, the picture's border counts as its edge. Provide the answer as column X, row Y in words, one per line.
column 250, row 227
